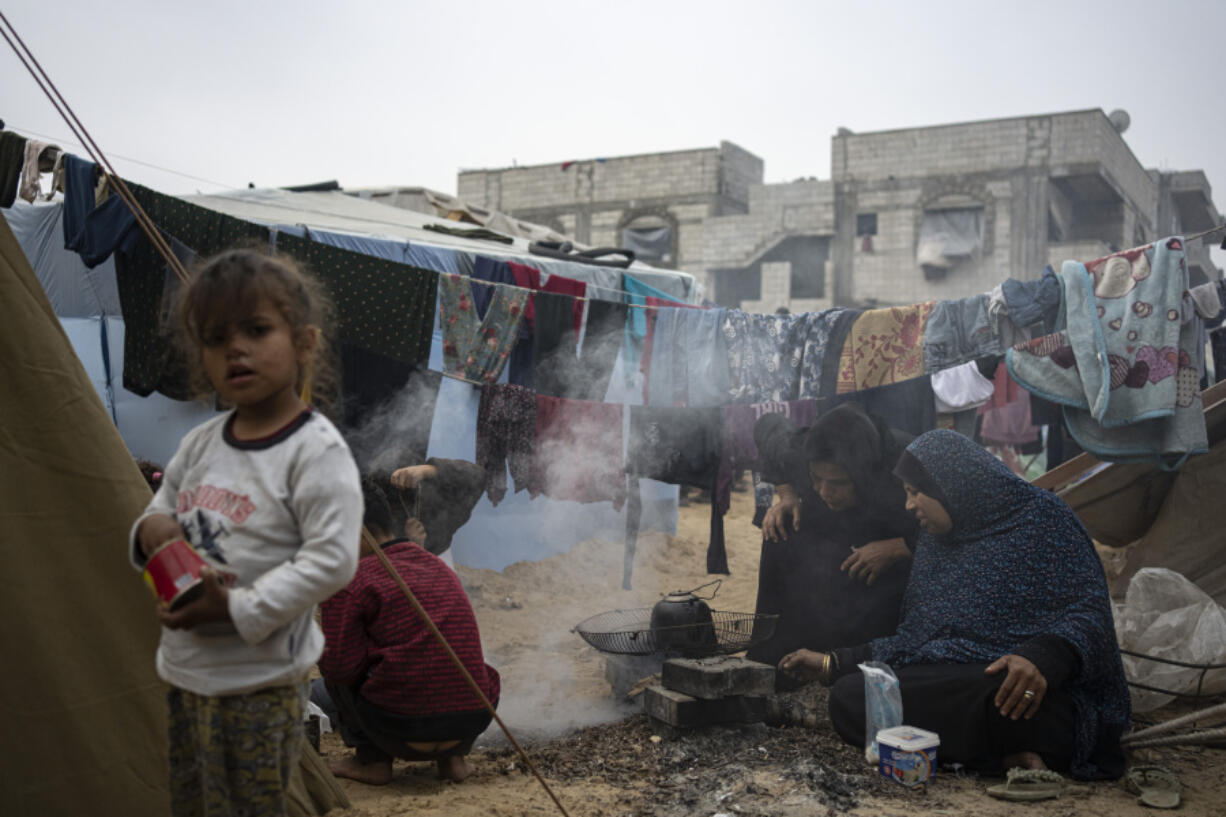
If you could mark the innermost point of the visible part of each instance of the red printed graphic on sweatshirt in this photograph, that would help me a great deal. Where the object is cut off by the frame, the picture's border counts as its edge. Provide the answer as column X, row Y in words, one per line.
column 237, row 508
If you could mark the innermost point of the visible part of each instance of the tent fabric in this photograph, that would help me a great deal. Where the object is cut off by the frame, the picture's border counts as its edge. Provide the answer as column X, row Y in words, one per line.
column 85, row 723
column 74, row 290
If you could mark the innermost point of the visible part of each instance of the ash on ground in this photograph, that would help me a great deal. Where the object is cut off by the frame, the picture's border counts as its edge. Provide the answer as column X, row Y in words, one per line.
column 747, row 770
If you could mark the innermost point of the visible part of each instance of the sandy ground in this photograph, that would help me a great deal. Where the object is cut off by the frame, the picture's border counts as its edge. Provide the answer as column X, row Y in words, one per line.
column 603, row 759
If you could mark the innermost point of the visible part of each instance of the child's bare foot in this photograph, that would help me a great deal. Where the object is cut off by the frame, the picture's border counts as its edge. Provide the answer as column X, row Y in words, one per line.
column 1024, row 760
column 378, row 773
column 454, row 768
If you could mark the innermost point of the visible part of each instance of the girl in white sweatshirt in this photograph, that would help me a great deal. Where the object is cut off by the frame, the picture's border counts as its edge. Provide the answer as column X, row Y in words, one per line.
column 270, row 496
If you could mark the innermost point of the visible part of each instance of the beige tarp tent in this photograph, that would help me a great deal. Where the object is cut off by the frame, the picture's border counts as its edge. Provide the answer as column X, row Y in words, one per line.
column 82, row 713
column 1171, row 519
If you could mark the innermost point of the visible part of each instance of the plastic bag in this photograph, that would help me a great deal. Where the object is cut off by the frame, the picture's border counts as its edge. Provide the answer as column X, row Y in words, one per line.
column 882, row 704
column 1167, row 616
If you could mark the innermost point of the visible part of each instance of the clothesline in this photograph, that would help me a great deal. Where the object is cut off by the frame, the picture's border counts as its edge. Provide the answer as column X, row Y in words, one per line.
column 484, row 282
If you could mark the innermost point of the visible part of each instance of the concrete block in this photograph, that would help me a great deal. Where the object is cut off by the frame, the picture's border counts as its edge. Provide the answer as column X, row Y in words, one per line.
column 719, row 677
column 680, row 710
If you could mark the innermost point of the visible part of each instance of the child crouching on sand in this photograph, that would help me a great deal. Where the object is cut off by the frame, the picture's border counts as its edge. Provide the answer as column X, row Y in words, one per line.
column 269, row 495
column 397, row 692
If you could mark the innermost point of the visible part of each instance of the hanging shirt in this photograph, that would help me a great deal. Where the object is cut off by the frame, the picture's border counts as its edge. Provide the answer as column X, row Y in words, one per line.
column 477, row 349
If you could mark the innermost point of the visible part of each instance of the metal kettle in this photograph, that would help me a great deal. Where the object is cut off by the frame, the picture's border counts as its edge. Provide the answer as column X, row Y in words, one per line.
column 682, row 622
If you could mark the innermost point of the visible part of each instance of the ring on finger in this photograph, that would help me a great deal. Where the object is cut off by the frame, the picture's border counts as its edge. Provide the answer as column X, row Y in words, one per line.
column 1028, row 694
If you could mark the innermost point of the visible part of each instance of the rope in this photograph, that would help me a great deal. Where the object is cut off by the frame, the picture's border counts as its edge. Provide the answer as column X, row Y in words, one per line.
column 391, row 571
column 1175, row 723
column 91, row 147
column 1189, row 739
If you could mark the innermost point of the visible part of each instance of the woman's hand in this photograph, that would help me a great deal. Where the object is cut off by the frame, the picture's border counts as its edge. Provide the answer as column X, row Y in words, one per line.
column 868, row 563
column 156, row 531
column 805, row 664
column 415, row 530
column 776, row 522
column 1022, row 677
column 408, row 478
column 213, row 605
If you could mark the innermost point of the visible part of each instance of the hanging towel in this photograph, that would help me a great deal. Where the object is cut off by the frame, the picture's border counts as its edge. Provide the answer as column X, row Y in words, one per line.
column 477, row 350
column 665, row 375
column 637, row 293
column 703, row 357
column 578, row 451
column 1125, row 365
column 958, row 332
column 885, row 346
column 506, row 432
column 93, row 232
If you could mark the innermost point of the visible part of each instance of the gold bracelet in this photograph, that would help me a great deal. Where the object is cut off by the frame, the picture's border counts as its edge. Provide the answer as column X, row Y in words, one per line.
column 826, row 667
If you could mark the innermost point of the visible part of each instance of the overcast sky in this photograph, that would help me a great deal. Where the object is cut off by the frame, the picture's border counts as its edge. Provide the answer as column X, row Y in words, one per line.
column 407, row 93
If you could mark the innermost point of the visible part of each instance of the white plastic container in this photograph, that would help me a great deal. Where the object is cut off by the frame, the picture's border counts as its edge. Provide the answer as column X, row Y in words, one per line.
column 908, row 755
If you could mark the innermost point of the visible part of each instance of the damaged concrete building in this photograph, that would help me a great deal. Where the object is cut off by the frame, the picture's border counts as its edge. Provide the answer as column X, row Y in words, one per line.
column 908, row 215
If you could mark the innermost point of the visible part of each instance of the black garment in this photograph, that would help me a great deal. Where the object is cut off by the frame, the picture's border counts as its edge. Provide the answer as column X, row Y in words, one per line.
column 602, row 340
column 906, row 406
column 677, row 445
column 956, row 702
column 819, row 605
column 379, row 735
column 388, row 408
column 442, row 504
column 12, row 157
column 151, row 359
column 556, row 371
column 681, row 446
column 379, row 305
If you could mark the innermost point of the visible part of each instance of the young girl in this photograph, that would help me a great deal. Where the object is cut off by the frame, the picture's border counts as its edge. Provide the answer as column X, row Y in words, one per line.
column 269, row 494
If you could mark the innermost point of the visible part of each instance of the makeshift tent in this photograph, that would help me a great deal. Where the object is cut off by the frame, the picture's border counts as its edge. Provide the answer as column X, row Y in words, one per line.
column 1171, row 519
column 519, row 528
column 83, row 711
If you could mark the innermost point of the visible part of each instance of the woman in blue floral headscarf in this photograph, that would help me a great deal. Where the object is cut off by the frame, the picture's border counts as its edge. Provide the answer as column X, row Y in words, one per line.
column 1006, row 646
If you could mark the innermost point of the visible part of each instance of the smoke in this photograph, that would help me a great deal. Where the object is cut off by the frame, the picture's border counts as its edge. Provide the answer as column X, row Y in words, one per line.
column 395, row 433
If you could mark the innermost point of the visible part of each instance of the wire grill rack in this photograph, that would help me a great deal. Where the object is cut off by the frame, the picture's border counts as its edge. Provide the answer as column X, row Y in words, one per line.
column 629, row 632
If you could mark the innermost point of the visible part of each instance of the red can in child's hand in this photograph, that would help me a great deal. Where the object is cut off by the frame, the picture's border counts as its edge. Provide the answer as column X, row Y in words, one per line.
column 173, row 573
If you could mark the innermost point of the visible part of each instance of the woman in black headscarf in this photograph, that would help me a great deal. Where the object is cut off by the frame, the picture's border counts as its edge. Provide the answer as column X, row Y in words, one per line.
column 834, row 553
column 1006, row 646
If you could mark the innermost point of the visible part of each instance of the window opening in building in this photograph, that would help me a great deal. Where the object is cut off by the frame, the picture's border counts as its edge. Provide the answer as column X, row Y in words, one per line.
column 651, row 239
column 949, row 238
column 866, row 224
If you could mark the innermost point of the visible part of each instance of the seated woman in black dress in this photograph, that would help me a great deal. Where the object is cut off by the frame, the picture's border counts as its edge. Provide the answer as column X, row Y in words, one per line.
column 1007, row 646
column 835, row 555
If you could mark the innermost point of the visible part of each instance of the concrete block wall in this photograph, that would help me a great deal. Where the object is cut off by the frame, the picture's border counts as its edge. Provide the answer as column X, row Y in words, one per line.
column 944, row 149
column 627, row 178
